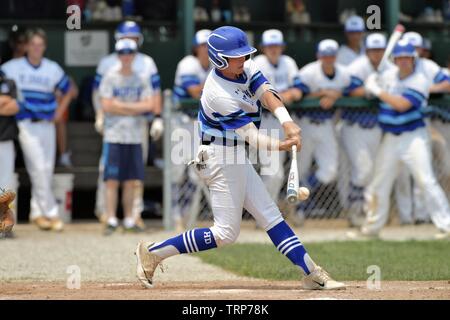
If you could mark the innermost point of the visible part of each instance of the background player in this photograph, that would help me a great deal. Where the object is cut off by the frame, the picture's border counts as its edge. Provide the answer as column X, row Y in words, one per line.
column 354, row 32
column 359, row 132
column 282, row 72
column 440, row 82
column 190, row 77
column 227, row 115
column 403, row 91
column 146, row 67
column 125, row 97
column 37, row 79
column 327, row 80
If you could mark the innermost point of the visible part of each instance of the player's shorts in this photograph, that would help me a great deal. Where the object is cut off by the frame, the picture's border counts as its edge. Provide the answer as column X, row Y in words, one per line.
column 123, row 162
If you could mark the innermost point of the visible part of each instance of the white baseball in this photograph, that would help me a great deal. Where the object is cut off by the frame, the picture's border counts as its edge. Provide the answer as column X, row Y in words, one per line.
column 303, row 193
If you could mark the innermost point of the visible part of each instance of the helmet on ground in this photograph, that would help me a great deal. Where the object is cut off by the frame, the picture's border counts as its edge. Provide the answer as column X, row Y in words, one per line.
column 129, row 29
column 227, row 42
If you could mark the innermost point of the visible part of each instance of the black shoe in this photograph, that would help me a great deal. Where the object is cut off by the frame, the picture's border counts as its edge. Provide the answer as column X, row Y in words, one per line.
column 109, row 230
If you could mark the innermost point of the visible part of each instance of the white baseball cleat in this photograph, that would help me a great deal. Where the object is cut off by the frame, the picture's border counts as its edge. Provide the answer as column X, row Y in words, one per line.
column 319, row 279
column 147, row 263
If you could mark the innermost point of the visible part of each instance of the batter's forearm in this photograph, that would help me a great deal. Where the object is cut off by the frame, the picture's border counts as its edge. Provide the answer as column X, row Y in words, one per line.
column 397, row 102
column 251, row 134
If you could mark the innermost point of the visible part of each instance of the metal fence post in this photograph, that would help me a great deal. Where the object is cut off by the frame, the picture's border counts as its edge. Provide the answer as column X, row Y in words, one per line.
column 167, row 181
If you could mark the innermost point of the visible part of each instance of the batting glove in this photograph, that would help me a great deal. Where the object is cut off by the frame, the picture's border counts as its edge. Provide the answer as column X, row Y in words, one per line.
column 372, row 86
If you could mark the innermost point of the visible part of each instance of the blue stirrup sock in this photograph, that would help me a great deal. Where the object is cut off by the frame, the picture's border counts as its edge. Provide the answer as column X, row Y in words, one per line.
column 288, row 244
column 190, row 241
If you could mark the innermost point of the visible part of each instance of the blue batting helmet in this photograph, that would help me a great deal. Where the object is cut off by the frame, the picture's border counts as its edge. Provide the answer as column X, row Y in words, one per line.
column 404, row 48
column 227, row 42
column 129, row 29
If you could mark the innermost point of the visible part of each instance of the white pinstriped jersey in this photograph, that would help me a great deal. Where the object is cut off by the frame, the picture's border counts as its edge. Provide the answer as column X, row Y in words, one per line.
column 283, row 75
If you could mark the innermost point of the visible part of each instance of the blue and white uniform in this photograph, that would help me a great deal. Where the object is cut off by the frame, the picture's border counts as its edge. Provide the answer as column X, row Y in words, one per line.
column 360, row 136
column 37, row 86
column 319, row 139
column 226, row 105
column 406, row 141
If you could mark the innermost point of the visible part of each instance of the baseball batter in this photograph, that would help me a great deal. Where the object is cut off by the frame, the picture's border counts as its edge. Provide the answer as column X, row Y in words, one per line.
column 328, row 81
column 37, row 79
column 282, row 72
column 145, row 66
column 403, row 92
column 359, row 132
column 190, row 77
column 229, row 113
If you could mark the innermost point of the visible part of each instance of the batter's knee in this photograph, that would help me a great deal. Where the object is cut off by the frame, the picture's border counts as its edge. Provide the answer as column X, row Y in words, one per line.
column 225, row 234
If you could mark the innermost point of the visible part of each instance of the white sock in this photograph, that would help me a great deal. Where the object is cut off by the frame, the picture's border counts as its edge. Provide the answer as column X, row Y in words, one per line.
column 129, row 222
column 112, row 221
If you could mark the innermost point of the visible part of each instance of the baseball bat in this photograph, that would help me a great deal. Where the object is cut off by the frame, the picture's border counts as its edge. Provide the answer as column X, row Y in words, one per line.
column 395, row 36
column 293, row 182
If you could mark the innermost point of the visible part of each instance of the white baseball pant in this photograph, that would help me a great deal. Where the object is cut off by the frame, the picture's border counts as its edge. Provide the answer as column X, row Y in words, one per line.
column 38, row 143
column 318, row 142
column 234, row 184
column 7, row 158
column 413, row 150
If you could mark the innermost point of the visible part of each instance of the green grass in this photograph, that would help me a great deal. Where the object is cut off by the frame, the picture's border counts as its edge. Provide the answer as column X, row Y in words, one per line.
column 409, row 260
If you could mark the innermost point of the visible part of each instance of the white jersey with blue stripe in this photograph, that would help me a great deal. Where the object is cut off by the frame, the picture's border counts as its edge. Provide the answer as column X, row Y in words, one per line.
column 283, row 75
column 414, row 88
column 227, row 105
column 359, row 70
column 189, row 73
column 143, row 64
column 313, row 79
column 433, row 72
column 37, row 86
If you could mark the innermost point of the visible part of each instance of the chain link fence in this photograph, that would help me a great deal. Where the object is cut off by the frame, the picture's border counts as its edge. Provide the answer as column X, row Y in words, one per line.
column 336, row 171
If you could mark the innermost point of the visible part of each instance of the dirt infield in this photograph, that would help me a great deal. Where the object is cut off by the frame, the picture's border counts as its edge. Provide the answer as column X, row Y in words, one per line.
column 34, row 266
column 223, row 290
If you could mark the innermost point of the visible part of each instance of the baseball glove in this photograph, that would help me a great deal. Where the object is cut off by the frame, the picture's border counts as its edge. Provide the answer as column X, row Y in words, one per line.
column 6, row 214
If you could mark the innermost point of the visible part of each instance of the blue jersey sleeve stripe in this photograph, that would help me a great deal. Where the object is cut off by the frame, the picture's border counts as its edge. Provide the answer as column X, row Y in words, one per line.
column 155, row 81
column 64, row 84
column 97, row 80
column 441, row 77
column 400, row 119
column 256, row 82
column 190, row 83
column 304, row 88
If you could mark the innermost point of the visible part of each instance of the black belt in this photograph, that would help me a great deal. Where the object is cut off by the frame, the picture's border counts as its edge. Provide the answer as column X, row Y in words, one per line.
column 225, row 142
column 37, row 120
